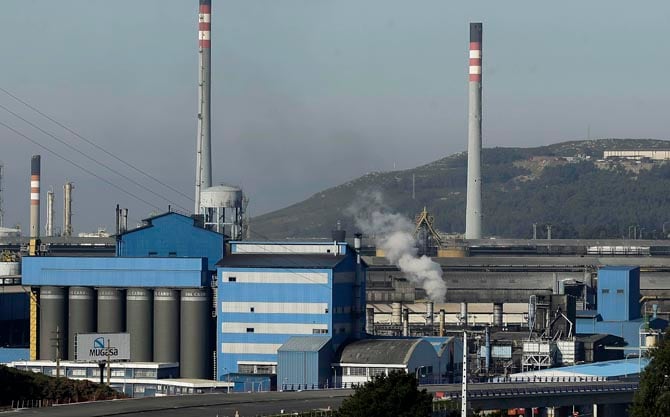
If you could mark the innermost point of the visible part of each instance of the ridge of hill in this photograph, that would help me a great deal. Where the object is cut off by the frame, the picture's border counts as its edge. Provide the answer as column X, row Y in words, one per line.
column 565, row 184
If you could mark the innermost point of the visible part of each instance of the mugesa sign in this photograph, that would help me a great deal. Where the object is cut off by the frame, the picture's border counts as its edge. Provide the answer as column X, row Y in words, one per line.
column 98, row 347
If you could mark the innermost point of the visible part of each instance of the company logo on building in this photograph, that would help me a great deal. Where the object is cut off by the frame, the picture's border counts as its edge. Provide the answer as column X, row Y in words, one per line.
column 99, row 349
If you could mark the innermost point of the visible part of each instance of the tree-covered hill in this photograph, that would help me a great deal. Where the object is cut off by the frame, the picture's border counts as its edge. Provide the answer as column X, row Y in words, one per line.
column 565, row 184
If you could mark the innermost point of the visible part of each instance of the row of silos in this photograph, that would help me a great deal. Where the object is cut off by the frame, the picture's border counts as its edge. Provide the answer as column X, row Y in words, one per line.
column 165, row 325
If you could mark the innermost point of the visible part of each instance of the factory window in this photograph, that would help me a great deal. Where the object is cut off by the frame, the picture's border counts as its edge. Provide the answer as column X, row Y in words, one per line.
column 619, row 291
column 250, row 329
column 377, row 371
column 606, row 291
column 172, row 253
column 153, row 253
column 326, row 312
column 264, row 369
column 251, row 309
column 319, row 331
column 145, row 373
column 232, row 279
column 355, row 371
column 245, row 369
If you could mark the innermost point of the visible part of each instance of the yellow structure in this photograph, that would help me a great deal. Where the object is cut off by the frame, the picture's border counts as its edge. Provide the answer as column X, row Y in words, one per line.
column 33, row 326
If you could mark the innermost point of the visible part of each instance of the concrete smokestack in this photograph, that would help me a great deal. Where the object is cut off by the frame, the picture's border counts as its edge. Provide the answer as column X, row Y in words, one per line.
column 49, row 229
column 67, row 208
column 443, row 322
column 473, row 212
column 429, row 313
column 35, row 169
column 203, row 167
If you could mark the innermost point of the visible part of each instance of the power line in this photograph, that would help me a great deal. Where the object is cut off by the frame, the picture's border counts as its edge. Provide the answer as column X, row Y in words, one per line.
column 28, row 138
column 90, row 142
column 69, row 146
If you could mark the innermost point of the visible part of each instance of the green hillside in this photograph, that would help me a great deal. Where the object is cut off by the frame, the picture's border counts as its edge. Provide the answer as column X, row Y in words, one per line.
column 563, row 184
column 17, row 387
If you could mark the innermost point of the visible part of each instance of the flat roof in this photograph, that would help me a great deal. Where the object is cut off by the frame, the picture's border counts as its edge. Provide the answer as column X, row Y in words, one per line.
column 607, row 369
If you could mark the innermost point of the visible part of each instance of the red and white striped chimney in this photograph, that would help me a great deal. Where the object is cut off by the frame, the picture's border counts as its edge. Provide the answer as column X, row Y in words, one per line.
column 473, row 210
column 35, row 197
column 203, row 164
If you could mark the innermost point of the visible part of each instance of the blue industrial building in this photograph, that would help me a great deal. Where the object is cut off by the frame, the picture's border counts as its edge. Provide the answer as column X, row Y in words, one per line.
column 172, row 235
column 265, row 298
column 618, row 311
column 305, row 362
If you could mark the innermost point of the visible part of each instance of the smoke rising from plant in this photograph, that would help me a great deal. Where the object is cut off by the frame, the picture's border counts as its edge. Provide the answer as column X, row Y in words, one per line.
column 394, row 234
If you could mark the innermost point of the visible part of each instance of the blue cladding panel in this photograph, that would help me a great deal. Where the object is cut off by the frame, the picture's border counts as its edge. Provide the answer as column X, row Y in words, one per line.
column 9, row 355
column 173, row 235
column 114, row 272
column 619, row 293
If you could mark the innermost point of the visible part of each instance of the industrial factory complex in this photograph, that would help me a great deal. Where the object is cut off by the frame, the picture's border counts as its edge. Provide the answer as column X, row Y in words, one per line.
column 204, row 309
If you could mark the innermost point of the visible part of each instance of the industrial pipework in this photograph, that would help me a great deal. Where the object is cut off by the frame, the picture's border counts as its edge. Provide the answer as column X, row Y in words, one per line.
column 35, row 196
column 203, row 165
column 473, row 211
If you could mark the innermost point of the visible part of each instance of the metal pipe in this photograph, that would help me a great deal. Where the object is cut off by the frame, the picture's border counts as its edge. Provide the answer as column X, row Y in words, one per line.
column 498, row 314
column 429, row 313
column 124, row 220
column 35, row 168
column 473, row 212
column 405, row 322
column 443, row 323
column 396, row 313
column 370, row 321
column 464, row 315
column 203, row 140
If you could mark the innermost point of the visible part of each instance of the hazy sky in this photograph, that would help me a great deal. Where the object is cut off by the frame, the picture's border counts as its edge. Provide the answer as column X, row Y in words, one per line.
column 311, row 93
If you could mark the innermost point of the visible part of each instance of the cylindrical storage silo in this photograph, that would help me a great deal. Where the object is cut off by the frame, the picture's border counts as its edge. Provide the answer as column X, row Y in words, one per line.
column 81, row 315
column 111, row 311
column 396, row 313
column 139, row 320
column 166, row 325
column 53, row 322
column 195, row 352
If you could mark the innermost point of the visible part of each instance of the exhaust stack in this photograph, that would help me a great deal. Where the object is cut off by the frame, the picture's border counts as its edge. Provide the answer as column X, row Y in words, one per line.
column 473, row 211
column 67, row 208
column 49, row 228
column 35, row 169
column 203, row 164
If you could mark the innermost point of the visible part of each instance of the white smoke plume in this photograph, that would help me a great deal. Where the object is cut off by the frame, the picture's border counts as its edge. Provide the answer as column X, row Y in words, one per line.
column 394, row 234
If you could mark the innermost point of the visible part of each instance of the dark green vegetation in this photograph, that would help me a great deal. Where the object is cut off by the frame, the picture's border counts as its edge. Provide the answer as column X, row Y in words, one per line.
column 394, row 395
column 653, row 397
column 579, row 196
column 18, row 385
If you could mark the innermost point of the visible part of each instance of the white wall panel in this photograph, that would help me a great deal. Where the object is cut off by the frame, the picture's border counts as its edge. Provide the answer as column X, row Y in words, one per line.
column 272, row 328
column 258, row 348
column 274, row 308
column 277, row 277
